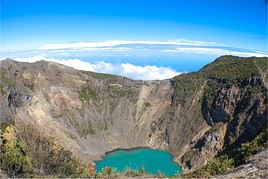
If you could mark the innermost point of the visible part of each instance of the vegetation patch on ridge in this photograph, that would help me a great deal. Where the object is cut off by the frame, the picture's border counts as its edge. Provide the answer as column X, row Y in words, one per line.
column 187, row 85
column 234, row 68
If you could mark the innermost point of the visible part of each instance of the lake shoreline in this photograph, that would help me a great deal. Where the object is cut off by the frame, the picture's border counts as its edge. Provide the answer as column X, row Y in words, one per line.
column 172, row 162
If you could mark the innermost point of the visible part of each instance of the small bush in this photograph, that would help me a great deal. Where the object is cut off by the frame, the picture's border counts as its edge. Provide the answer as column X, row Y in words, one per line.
column 220, row 164
column 86, row 93
column 134, row 173
column 107, row 173
column 256, row 145
column 147, row 104
column 12, row 157
column 89, row 129
column 187, row 156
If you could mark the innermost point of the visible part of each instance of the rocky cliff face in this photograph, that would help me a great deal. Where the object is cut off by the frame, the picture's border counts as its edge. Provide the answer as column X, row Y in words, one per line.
column 194, row 116
column 256, row 168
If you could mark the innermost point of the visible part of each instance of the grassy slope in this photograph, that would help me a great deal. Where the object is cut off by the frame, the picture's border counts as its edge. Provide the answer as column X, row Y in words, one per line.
column 228, row 69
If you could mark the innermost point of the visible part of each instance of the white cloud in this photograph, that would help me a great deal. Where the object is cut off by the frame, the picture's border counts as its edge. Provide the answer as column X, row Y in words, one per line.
column 105, row 44
column 124, row 69
column 216, row 51
column 178, row 46
column 147, row 72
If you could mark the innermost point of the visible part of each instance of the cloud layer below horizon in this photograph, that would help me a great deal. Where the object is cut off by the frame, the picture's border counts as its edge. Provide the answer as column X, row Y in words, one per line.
column 148, row 72
column 178, row 46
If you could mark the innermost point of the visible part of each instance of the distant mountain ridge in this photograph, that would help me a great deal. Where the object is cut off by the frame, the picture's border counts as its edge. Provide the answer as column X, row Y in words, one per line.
column 194, row 116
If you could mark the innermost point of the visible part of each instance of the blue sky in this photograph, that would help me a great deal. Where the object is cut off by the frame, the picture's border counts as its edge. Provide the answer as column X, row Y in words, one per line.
column 177, row 35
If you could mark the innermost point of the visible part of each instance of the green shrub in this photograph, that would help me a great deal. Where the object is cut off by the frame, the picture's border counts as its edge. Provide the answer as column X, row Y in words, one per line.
column 49, row 158
column 28, row 153
column 86, row 93
column 107, row 173
column 256, row 145
column 116, row 90
column 89, row 129
column 215, row 166
column 134, row 173
column 187, row 156
column 113, row 173
column 220, row 164
column 147, row 104
column 12, row 157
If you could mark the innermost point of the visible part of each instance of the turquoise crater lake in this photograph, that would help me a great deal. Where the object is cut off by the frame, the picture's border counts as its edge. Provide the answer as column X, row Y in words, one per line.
column 153, row 161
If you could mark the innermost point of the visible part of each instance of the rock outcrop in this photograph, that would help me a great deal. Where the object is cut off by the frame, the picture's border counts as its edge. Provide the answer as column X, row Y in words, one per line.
column 257, row 167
